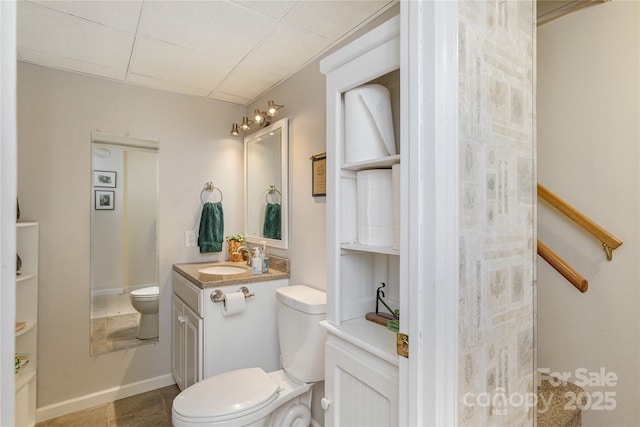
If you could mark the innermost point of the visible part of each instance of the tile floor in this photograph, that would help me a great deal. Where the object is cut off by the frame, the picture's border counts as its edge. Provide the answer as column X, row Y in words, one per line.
column 150, row 409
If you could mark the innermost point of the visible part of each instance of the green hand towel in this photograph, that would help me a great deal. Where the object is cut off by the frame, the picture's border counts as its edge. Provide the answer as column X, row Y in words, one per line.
column 271, row 228
column 211, row 228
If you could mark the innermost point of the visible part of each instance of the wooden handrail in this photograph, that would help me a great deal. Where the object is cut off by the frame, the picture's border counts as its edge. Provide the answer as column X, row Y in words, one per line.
column 562, row 267
column 609, row 241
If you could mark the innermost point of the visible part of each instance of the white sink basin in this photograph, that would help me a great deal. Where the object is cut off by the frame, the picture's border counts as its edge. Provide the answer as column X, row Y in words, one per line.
column 223, row 270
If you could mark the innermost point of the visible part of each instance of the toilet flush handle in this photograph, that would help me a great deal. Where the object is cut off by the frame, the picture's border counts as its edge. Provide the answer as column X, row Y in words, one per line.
column 325, row 403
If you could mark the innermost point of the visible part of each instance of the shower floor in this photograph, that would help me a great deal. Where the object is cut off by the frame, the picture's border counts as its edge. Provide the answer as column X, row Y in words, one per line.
column 111, row 305
column 114, row 323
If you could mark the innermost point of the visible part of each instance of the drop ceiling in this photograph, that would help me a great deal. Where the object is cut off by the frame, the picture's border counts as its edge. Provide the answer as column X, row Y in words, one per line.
column 232, row 51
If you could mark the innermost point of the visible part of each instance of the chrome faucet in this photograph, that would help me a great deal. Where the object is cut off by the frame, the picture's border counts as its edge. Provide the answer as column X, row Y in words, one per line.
column 246, row 249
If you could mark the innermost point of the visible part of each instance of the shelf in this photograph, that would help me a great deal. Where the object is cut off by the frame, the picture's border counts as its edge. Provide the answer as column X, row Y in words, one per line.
column 26, row 224
column 29, row 326
column 384, row 162
column 369, row 336
column 366, row 248
column 25, row 375
column 25, row 276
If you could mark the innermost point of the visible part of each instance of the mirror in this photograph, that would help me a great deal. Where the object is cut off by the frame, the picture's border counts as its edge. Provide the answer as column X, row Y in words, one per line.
column 266, row 184
column 124, row 242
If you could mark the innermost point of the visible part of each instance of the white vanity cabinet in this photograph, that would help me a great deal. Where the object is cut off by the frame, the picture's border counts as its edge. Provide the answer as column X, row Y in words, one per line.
column 361, row 364
column 205, row 342
column 27, row 322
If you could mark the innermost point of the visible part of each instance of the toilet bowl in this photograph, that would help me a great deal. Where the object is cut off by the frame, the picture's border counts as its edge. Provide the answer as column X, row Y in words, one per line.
column 145, row 301
column 252, row 397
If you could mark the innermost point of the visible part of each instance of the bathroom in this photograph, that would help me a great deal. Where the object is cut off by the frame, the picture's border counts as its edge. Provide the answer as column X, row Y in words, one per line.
column 195, row 147
column 56, row 112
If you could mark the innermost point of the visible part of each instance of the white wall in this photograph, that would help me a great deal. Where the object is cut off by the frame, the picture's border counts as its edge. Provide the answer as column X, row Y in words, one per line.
column 588, row 154
column 106, row 254
column 56, row 113
column 141, row 193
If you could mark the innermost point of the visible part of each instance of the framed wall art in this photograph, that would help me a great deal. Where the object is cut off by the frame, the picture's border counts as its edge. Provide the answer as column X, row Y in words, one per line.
column 104, row 179
column 319, row 175
column 105, row 200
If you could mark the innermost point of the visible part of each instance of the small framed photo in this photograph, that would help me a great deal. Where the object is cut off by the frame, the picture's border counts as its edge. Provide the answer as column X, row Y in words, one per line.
column 319, row 175
column 104, row 179
column 105, row 200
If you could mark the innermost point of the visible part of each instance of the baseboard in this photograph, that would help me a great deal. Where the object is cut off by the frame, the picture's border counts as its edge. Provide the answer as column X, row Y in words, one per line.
column 314, row 423
column 101, row 397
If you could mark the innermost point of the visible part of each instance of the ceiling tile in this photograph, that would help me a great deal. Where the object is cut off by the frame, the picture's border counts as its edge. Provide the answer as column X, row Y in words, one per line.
column 285, row 51
column 274, row 8
column 74, row 39
column 164, row 85
column 248, row 82
column 227, row 97
column 176, row 64
column 122, row 15
column 60, row 62
column 219, row 28
column 334, row 18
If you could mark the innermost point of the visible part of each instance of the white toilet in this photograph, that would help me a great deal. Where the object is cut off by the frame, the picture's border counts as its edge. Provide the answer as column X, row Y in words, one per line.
column 145, row 301
column 251, row 397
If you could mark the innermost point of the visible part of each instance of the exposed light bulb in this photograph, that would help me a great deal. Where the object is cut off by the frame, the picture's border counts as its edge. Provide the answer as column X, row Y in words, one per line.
column 245, row 123
column 257, row 116
column 234, row 130
column 271, row 108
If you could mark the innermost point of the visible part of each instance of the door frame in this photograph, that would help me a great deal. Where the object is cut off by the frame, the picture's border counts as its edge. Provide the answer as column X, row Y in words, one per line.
column 429, row 234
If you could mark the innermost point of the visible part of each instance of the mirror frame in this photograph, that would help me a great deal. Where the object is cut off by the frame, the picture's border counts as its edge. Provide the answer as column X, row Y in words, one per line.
column 283, row 125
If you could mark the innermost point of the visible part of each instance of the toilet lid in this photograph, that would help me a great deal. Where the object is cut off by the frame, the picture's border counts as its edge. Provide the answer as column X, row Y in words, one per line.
column 232, row 393
column 150, row 291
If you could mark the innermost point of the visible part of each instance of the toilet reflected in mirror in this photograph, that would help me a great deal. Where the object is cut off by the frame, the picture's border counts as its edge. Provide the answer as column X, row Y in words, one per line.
column 124, row 251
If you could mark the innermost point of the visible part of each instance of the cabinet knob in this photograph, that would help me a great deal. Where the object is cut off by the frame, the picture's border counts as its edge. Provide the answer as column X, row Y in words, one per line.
column 325, row 403
column 181, row 319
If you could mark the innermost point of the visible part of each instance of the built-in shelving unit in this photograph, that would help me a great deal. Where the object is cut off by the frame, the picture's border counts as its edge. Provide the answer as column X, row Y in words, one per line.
column 27, row 313
column 360, row 355
column 355, row 270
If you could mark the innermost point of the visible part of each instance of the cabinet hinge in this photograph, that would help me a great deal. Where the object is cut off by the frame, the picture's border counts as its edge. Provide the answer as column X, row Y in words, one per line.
column 402, row 344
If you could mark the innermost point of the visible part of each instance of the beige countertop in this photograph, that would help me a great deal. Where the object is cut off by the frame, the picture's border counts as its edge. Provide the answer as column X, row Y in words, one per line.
column 278, row 269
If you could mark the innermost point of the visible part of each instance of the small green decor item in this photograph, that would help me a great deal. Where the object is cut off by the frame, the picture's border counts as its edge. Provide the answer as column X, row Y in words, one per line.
column 236, row 237
column 20, row 362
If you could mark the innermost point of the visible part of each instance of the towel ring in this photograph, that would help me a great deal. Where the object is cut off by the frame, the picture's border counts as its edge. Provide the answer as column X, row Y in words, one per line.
column 208, row 186
column 271, row 190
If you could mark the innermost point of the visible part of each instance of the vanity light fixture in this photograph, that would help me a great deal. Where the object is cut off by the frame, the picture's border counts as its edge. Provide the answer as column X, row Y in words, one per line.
column 246, row 123
column 273, row 108
column 261, row 118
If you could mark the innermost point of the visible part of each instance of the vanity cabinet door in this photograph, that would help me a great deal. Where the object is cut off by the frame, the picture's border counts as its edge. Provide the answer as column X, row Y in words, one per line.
column 186, row 344
column 177, row 342
column 192, row 347
column 360, row 388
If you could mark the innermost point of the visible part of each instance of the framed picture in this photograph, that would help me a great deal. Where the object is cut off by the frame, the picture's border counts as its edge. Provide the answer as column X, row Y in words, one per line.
column 104, row 179
column 319, row 175
column 105, row 200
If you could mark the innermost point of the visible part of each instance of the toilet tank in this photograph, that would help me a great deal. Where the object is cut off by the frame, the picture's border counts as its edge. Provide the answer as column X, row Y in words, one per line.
column 299, row 309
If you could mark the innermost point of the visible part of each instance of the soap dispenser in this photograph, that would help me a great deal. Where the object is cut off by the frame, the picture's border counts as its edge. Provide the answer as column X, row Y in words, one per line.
column 265, row 257
column 256, row 261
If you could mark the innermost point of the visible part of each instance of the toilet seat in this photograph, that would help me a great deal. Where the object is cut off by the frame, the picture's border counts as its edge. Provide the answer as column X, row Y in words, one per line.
column 226, row 396
column 149, row 292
